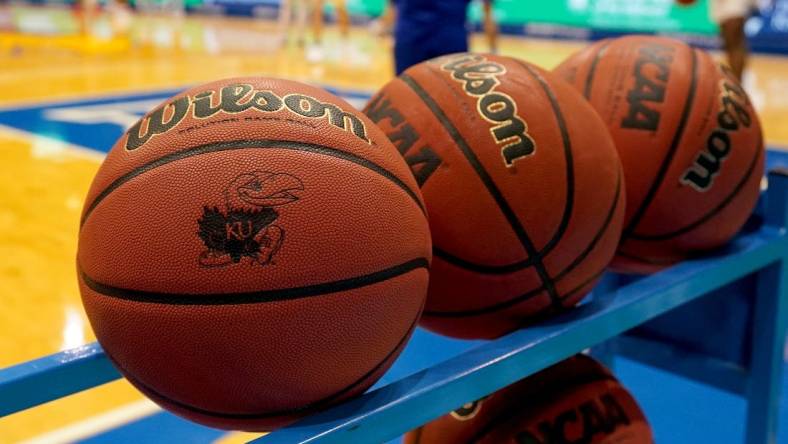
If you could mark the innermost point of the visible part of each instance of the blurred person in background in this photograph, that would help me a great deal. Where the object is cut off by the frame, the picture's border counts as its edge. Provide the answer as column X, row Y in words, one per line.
column 730, row 15
column 343, row 19
column 384, row 24
column 300, row 10
column 490, row 27
column 6, row 20
column 290, row 10
column 426, row 29
column 86, row 12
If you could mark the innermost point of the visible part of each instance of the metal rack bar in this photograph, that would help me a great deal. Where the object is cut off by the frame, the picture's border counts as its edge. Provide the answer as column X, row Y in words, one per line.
column 392, row 409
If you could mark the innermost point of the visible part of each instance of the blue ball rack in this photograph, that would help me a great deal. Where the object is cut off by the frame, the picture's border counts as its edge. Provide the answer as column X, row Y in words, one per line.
column 640, row 318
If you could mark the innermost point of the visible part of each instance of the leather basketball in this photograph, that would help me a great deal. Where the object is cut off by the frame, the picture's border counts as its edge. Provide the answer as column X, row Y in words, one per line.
column 253, row 250
column 574, row 401
column 689, row 140
column 522, row 184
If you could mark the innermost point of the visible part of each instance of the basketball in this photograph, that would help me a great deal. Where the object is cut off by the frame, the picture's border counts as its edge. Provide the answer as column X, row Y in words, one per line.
column 689, row 140
column 577, row 400
column 522, row 184
column 335, row 221
column 253, row 250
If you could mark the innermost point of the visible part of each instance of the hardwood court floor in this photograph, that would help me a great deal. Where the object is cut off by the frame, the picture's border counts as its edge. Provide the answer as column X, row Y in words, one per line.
column 43, row 178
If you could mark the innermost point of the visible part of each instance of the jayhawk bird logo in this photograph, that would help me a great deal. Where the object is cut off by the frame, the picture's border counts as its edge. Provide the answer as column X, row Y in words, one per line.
column 246, row 227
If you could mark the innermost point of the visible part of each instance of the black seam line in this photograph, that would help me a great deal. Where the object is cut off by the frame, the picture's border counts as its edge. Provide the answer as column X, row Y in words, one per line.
column 511, row 302
column 254, row 297
column 674, row 144
column 592, row 70
column 481, row 268
column 314, row 405
column 416, row 434
column 578, row 260
column 569, row 158
column 507, row 211
column 519, row 265
column 728, row 199
column 252, row 144
column 601, row 232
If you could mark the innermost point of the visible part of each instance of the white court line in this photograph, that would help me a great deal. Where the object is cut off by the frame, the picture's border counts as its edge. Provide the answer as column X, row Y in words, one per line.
column 51, row 143
column 96, row 424
column 120, row 96
column 113, row 418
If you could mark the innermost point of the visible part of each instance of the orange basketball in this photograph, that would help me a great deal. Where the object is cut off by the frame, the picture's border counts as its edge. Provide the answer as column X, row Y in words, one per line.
column 689, row 140
column 252, row 250
column 574, row 401
column 522, row 184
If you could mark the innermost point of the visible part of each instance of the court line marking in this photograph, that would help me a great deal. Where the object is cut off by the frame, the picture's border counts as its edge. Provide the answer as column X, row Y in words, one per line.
column 110, row 97
column 97, row 424
column 58, row 101
column 30, row 137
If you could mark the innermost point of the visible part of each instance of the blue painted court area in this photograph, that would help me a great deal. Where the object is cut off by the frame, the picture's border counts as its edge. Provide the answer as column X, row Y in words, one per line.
column 681, row 411
column 97, row 123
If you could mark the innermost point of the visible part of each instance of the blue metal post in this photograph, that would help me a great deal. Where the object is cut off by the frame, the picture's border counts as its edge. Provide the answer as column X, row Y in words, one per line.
column 767, row 354
column 769, row 326
column 604, row 292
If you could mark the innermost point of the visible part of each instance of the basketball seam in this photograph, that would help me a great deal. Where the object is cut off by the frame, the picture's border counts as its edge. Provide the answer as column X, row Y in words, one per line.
column 568, row 157
column 250, row 144
column 665, row 166
column 481, row 268
column 321, row 402
column 574, row 264
column 568, row 208
column 416, row 434
column 601, row 232
column 511, row 302
column 254, row 297
column 592, row 70
column 705, row 218
column 504, row 207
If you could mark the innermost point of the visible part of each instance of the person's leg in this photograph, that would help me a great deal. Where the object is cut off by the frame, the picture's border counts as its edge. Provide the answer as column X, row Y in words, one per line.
column 343, row 18
column 387, row 19
column 86, row 10
column 301, row 10
column 407, row 53
column 735, row 44
column 450, row 41
column 317, row 20
column 490, row 27
column 411, row 50
column 283, row 21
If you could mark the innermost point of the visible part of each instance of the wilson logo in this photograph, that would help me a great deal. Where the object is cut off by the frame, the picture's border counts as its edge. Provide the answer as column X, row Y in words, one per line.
column 732, row 115
column 651, row 72
column 479, row 77
column 234, row 99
